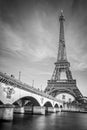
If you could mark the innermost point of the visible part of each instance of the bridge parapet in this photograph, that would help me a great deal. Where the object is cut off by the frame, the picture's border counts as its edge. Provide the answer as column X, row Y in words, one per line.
column 4, row 78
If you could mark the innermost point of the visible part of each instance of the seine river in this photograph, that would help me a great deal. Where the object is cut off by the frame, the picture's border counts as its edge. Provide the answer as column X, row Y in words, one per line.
column 59, row 121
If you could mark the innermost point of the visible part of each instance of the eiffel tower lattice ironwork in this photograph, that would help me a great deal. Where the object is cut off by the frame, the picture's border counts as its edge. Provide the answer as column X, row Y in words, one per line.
column 57, row 85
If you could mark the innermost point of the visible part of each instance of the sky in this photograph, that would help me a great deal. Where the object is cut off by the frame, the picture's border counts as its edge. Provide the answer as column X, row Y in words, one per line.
column 29, row 36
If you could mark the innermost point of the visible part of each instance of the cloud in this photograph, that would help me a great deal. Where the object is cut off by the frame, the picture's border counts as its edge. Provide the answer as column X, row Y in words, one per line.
column 76, row 43
column 38, row 38
column 75, row 5
column 9, row 39
column 43, row 42
column 17, row 42
column 29, row 35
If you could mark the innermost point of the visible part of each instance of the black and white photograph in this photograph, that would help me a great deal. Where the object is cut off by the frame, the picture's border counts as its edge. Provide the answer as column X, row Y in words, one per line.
column 43, row 64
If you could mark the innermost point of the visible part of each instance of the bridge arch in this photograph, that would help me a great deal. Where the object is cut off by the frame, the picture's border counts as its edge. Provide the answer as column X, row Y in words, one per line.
column 48, row 104
column 27, row 100
column 1, row 103
column 56, row 105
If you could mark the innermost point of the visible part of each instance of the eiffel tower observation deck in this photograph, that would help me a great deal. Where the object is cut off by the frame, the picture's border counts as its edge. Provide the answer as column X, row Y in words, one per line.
column 56, row 85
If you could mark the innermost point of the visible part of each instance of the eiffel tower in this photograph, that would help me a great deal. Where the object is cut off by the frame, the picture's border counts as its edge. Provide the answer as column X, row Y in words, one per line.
column 57, row 85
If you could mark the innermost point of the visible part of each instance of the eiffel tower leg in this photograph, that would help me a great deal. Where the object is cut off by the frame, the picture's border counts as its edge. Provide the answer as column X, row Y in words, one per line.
column 58, row 74
column 68, row 74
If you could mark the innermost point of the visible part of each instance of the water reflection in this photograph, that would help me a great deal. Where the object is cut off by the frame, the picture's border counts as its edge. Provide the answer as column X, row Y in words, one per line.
column 5, row 125
column 59, row 121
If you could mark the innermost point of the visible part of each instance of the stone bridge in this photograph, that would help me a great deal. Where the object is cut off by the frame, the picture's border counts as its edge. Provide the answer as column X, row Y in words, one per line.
column 20, row 97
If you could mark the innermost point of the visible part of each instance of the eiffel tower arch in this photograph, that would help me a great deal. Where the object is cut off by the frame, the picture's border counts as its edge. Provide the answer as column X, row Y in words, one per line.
column 56, row 85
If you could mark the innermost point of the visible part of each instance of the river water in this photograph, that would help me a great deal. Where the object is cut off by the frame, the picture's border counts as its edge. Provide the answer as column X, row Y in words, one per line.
column 59, row 121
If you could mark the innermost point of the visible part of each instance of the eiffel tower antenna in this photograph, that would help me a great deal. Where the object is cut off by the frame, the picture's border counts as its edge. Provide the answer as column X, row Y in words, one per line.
column 61, row 49
column 57, row 85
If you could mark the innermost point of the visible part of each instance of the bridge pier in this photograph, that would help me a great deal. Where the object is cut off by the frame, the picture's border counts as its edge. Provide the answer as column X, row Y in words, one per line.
column 19, row 110
column 39, row 110
column 28, row 109
column 57, row 109
column 52, row 110
column 31, row 109
column 6, row 112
